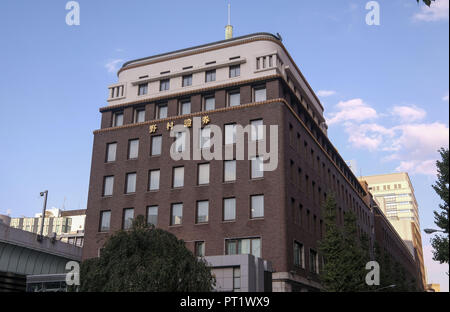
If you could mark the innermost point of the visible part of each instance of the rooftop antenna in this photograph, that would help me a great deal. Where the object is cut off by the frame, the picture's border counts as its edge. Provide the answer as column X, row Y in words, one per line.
column 229, row 28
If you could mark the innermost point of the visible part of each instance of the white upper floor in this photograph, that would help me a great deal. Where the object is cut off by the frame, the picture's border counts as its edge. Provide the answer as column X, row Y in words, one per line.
column 230, row 61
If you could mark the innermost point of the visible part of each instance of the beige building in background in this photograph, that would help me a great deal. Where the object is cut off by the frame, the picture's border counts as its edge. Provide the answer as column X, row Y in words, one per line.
column 394, row 194
column 66, row 226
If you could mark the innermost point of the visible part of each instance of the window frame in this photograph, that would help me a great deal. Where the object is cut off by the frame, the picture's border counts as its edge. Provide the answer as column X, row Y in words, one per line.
column 230, row 94
column 210, row 73
column 234, row 209
column 147, row 215
column 251, row 207
column 104, row 186
column 174, row 169
column 124, row 220
column 142, row 87
column 127, row 175
column 130, row 141
column 152, row 144
column 107, row 152
column 236, row 69
column 100, row 228
column 189, row 80
column 172, row 223
column 197, row 221
column 150, row 180
column 164, row 85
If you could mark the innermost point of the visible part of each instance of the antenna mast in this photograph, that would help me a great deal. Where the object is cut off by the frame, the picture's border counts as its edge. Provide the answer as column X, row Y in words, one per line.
column 229, row 28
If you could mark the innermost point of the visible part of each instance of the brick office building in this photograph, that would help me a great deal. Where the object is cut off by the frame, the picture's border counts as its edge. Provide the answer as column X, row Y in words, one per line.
column 221, row 207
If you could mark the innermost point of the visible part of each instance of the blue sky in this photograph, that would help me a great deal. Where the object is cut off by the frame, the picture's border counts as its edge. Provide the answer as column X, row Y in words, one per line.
column 384, row 88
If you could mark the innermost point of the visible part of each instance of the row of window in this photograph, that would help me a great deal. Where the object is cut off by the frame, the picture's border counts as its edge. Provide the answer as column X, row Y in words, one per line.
column 176, row 213
column 203, row 176
column 184, row 106
column 256, row 134
column 210, row 76
column 299, row 258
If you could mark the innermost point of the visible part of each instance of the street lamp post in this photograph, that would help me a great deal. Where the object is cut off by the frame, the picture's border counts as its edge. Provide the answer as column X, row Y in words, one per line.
column 431, row 231
column 41, row 234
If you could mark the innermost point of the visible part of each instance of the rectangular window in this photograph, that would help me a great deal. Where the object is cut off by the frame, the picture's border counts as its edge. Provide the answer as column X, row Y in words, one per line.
column 205, row 138
column 131, row 183
column 108, row 184
column 257, row 208
column 178, row 177
column 105, row 220
column 164, row 85
column 298, row 255
column 142, row 89
column 133, row 149
column 202, row 211
column 234, row 99
column 154, row 176
column 235, row 71
column 152, row 215
column 161, row 111
column 257, row 128
column 243, row 246
column 118, row 119
column 187, row 80
column 156, row 145
column 199, row 249
column 230, row 134
column 176, row 214
column 257, row 165
column 128, row 215
column 185, row 107
column 313, row 261
column 139, row 115
column 180, row 142
column 111, row 149
column 229, row 170
column 210, row 103
column 260, row 94
column 203, row 174
column 210, row 75
column 229, row 209
column 236, row 278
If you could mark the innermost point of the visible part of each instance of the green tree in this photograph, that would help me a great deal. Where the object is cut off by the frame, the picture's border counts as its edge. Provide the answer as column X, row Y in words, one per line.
column 427, row 2
column 440, row 242
column 384, row 261
column 145, row 259
column 344, row 257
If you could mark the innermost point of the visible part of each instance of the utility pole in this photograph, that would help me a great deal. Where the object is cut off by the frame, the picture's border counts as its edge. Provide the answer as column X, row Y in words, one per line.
column 41, row 234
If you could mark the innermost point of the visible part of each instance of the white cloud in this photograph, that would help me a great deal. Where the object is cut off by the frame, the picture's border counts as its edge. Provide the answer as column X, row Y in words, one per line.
column 414, row 146
column 423, row 140
column 409, row 113
column 368, row 136
column 112, row 65
column 326, row 93
column 436, row 12
column 427, row 167
column 354, row 110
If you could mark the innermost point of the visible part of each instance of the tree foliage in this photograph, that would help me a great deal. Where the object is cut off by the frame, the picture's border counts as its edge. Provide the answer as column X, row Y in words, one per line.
column 344, row 254
column 145, row 259
column 440, row 242
column 427, row 2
